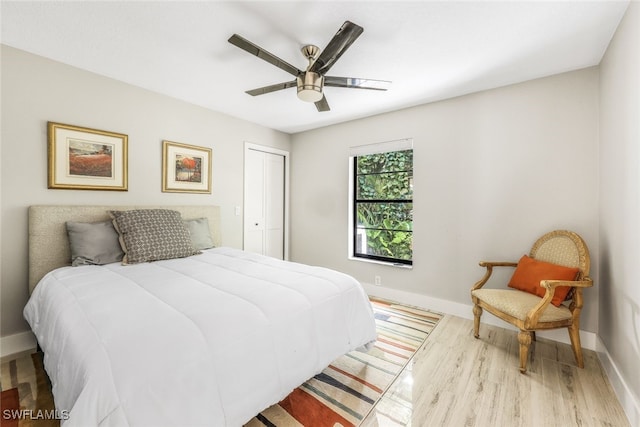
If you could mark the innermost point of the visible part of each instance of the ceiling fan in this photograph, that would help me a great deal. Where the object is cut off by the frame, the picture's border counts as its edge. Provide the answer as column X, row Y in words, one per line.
column 311, row 81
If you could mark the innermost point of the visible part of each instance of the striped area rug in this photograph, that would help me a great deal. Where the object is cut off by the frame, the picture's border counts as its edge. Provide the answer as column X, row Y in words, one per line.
column 345, row 392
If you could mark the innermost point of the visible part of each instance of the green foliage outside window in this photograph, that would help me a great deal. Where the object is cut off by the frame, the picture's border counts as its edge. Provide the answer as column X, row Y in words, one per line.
column 384, row 204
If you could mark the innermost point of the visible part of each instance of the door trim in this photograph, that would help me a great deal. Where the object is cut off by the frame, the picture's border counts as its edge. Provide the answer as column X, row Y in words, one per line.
column 271, row 150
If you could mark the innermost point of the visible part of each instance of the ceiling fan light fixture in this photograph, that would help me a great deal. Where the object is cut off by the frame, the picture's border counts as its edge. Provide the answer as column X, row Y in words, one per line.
column 310, row 86
column 310, row 83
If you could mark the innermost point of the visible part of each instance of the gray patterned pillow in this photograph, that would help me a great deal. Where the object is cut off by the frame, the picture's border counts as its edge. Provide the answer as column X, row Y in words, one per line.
column 152, row 235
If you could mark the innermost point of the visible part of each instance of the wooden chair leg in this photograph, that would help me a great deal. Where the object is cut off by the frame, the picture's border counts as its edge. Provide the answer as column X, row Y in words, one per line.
column 524, row 338
column 477, row 312
column 574, row 335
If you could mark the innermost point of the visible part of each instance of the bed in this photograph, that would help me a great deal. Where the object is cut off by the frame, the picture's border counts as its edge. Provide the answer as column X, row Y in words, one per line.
column 208, row 339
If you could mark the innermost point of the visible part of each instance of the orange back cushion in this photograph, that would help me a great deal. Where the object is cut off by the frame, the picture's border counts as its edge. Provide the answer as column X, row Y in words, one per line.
column 530, row 272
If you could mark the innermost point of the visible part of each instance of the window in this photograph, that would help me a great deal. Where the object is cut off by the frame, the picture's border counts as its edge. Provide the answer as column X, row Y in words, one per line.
column 382, row 202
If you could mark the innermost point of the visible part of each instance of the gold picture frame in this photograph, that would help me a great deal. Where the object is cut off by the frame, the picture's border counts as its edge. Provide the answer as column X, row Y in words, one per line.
column 186, row 168
column 82, row 158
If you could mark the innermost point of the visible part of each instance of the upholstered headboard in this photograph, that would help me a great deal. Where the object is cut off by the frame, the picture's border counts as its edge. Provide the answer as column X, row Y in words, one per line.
column 48, row 242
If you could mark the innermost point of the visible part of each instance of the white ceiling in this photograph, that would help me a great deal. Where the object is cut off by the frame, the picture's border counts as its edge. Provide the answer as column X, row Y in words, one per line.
column 429, row 50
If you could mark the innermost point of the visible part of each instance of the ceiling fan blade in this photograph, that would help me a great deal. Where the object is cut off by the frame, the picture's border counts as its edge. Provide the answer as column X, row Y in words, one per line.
column 356, row 83
column 322, row 105
column 340, row 42
column 271, row 88
column 256, row 50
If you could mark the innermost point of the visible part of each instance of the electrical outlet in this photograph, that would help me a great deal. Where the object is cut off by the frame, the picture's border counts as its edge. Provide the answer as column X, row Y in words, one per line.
column 377, row 281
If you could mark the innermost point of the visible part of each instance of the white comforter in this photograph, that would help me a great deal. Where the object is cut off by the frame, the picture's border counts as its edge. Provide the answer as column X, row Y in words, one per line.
column 212, row 339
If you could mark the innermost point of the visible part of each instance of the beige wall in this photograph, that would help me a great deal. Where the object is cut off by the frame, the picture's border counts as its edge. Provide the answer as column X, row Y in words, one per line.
column 36, row 90
column 619, row 323
column 492, row 172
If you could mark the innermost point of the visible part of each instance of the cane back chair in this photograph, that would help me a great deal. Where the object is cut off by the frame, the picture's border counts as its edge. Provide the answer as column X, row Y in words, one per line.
column 529, row 312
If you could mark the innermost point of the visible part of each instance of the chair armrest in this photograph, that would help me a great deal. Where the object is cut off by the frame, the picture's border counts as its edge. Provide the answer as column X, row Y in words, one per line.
column 489, row 266
column 587, row 282
column 550, row 289
column 497, row 264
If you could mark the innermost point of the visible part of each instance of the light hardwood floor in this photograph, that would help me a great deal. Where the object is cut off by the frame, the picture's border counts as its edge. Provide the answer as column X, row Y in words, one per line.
column 454, row 380
column 457, row 380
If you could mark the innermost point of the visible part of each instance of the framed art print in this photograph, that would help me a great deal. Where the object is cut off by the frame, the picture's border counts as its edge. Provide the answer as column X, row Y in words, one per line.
column 86, row 159
column 185, row 168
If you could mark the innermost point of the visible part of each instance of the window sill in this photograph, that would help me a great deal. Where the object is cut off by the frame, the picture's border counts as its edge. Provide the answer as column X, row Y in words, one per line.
column 387, row 263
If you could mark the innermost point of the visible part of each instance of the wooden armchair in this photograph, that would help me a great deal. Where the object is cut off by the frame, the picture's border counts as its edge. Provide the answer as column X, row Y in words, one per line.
column 530, row 312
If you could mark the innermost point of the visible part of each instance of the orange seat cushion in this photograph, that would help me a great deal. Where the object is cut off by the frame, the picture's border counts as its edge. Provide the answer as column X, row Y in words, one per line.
column 530, row 272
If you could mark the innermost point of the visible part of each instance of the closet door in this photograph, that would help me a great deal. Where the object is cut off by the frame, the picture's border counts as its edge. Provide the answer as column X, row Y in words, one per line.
column 264, row 203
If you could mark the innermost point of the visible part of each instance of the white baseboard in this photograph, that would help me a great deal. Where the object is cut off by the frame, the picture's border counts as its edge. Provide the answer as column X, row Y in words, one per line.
column 17, row 343
column 630, row 403
column 587, row 339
